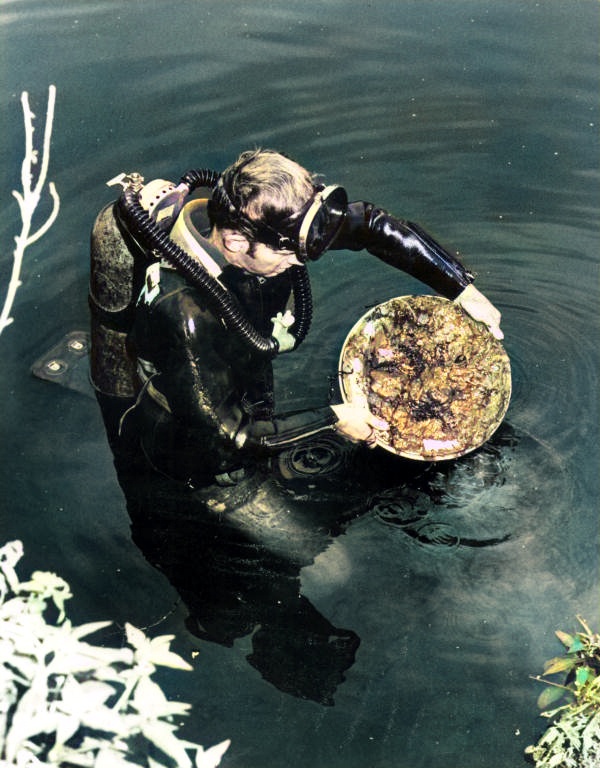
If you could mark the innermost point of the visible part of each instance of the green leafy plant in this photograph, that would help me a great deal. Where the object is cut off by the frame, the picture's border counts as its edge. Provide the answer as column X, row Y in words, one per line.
column 572, row 740
column 66, row 702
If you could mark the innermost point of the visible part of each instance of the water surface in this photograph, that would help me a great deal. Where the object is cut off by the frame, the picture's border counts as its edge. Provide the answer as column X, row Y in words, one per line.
column 405, row 633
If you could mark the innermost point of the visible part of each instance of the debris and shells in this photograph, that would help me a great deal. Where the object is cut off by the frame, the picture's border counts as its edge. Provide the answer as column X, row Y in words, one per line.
column 439, row 378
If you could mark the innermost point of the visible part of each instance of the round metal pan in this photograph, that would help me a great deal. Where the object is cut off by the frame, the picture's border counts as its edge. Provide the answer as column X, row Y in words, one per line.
column 439, row 378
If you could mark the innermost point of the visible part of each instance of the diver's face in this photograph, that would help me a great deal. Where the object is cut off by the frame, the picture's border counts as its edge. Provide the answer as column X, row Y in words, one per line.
column 262, row 260
column 252, row 256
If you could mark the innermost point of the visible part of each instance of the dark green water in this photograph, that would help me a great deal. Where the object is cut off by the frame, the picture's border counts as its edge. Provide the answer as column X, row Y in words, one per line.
column 479, row 120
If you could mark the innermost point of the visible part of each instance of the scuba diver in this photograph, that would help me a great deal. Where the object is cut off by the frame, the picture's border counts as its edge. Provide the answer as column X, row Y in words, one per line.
column 195, row 288
column 193, row 298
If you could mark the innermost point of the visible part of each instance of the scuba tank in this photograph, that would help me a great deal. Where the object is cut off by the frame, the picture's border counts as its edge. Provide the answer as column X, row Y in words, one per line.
column 126, row 237
column 117, row 269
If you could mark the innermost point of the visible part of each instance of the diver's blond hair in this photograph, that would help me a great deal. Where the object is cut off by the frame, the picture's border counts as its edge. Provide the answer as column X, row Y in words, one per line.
column 265, row 184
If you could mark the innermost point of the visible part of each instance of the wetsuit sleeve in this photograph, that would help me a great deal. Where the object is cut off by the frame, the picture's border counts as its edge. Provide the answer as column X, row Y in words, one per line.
column 288, row 428
column 402, row 245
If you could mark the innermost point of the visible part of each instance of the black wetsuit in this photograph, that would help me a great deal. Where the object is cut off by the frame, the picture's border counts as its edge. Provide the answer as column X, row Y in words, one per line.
column 206, row 409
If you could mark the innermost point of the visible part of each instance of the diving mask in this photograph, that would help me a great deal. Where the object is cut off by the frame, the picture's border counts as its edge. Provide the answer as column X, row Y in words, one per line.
column 308, row 232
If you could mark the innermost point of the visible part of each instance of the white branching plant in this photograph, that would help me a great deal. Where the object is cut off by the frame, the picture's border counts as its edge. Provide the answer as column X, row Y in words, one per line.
column 28, row 199
column 66, row 702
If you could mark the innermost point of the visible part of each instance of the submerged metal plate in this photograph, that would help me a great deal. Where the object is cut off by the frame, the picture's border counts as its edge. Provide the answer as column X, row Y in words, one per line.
column 67, row 363
column 440, row 379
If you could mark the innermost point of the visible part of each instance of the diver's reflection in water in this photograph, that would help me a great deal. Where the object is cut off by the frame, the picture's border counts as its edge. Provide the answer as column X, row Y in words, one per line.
column 234, row 554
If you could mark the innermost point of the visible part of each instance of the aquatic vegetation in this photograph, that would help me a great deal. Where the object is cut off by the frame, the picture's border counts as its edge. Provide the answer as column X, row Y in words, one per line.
column 66, row 702
column 29, row 197
column 573, row 738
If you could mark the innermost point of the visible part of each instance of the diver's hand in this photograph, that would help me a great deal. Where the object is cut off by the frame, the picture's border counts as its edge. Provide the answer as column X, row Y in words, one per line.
column 357, row 424
column 281, row 323
column 481, row 309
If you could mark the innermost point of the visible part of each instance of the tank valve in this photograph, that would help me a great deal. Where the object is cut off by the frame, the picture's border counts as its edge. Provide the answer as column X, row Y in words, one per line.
column 133, row 180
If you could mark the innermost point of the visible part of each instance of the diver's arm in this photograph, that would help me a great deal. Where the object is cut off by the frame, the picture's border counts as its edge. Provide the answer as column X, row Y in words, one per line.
column 402, row 245
column 354, row 423
column 195, row 377
column 285, row 429
column 406, row 246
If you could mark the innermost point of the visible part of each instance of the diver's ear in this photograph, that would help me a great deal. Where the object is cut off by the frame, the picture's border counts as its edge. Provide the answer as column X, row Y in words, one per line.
column 234, row 241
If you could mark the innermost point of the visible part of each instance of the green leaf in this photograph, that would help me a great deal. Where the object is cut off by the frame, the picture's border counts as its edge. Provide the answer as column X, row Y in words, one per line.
column 151, row 703
column 161, row 735
column 105, row 719
column 135, row 636
column 72, row 656
column 66, row 726
column 591, row 734
column 110, row 758
column 565, row 639
column 155, row 651
column 152, row 763
column 97, row 744
column 164, row 657
column 62, row 755
column 549, row 696
column 559, row 664
column 210, row 758
column 30, row 718
column 20, row 613
column 10, row 554
column 82, row 697
column 23, row 666
column 87, row 629
column 582, row 675
column 9, row 693
column 48, row 586
column 576, row 645
column 555, row 761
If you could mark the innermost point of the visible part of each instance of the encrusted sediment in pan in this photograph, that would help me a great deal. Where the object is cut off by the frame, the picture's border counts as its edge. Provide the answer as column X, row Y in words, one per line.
column 439, row 378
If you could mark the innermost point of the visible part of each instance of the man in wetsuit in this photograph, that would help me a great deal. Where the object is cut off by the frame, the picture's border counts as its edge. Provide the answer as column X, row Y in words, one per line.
column 206, row 411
